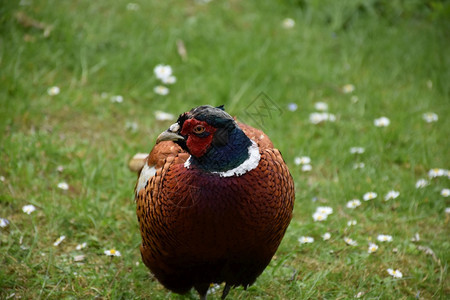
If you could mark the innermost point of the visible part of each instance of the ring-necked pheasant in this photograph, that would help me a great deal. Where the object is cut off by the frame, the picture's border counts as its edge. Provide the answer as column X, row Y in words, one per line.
column 214, row 199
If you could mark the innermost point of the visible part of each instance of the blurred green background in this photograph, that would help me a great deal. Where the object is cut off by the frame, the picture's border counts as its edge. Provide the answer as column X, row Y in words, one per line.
column 393, row 53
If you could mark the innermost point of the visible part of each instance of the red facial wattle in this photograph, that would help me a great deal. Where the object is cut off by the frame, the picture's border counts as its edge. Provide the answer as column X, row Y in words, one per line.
column 197, row 144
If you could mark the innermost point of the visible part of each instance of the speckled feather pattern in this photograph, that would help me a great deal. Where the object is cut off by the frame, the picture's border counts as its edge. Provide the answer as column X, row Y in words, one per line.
column 200, row 228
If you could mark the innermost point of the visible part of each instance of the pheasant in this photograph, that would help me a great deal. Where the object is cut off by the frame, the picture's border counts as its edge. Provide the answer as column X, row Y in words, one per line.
column 213, row 201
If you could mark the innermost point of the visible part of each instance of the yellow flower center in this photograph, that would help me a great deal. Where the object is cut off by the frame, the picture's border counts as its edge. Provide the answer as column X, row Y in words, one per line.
column 112, row 251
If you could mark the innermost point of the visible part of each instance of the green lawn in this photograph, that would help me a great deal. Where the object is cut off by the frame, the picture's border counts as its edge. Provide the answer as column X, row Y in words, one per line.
column 393, row 53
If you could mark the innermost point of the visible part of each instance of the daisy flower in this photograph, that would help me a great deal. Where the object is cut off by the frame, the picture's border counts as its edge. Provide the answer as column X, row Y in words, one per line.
column 391, row 195
column 28, row 209
column 382, row 122
column 395, row 273
column 445, row 192
column 132, row 126
column 359, row 165
column 353, row 203
column 133, row 6
column 59, row 240
column 384, row 238
column 292, row 106
column 81, row 246
column 326, row 236
column 305, row 240
column 288, row 23
column 63, row 186
column 161, row 90
column 322, row 106
column 351, row 223
column 326, row 210
column 169, row 80
column 421, row 183
column 350, row 242
column 116, row 99
column 369, row 196
column 163, row 116
column 306, row 168
column 318, row 216
column 2, row 178
column 433, row 173
column 112, row 252
column 162, row 71
column 319, row 117
column 357, row 150
column 348, row 88
column 430, row 117
column 447, row 210
column 302, row 160
column 3, row 222
column 372, row 248
column 53, row 91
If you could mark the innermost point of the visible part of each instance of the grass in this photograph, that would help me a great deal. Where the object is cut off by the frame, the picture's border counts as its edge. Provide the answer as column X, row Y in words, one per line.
column 394, row 54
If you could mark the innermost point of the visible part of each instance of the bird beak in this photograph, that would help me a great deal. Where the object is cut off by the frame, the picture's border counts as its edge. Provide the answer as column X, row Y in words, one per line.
column 170, row 134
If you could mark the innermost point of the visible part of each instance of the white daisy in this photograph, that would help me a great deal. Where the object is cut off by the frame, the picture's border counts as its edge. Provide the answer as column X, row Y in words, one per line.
column 59, row 240
column 326, row 210
column 421, row 183
column 318, row 117
column 351, row 223
column 353, row 203
column 53, row 91
column 447, row 210
column 162, row 71
column 369, row 196
column 28, row 209
column 306, row 168
column 318, row 216
column 430, row 117
column 305, row 240
column 395, row 273
column 357, row 150
column 2, row 178
column 391, row 195
column 3, row 222
column 372, row 248
column 133, row 6
column 445, row 192
column 382, row 122
column 131, row 126
column 112, row 252
column 288, row 23
column 348, row 88
column 350, row 242
column 384, row 238
column 161, row 90
column 63, row 186
column 81, row 246
column 322, row 106
column 116, row 99
column 169, row 80
column 433, row 173
column 359, row 165
column 302, row 160
column 163, row 116
column 326, row 236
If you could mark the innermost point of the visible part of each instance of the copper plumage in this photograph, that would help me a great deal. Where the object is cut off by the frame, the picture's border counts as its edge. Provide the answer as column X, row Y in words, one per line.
column 199, row 226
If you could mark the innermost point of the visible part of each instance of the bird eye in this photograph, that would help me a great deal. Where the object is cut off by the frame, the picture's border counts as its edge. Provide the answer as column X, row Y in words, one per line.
column 198, row 129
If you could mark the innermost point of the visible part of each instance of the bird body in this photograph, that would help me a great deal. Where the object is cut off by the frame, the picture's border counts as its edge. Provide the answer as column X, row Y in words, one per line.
column 214, row 199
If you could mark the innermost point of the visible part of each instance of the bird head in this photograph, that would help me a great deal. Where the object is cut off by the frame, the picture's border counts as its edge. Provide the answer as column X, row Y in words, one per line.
column 199, row 129
column 211, row 136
